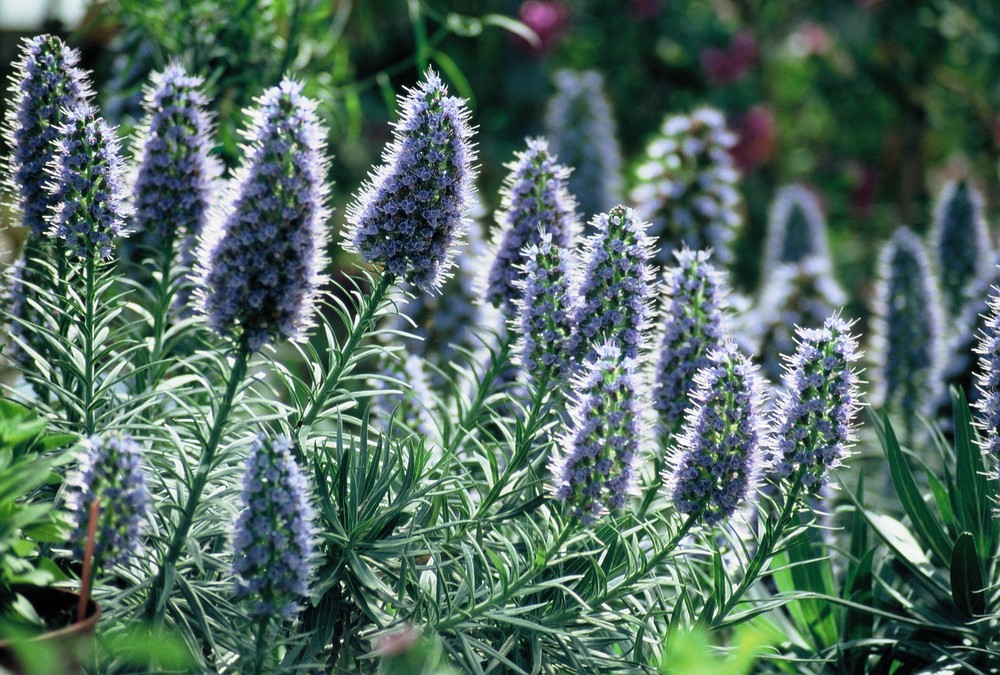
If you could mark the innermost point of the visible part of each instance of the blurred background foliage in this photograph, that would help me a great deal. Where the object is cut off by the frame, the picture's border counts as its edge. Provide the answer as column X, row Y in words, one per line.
column 874, row 103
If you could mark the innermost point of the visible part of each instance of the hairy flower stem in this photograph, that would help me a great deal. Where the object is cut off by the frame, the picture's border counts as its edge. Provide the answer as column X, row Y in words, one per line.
column 364, row 324
column 262, row 645
column 162, row 301
column 89, row 383
column 86, row 576
column 163, row 582
column 761, row 556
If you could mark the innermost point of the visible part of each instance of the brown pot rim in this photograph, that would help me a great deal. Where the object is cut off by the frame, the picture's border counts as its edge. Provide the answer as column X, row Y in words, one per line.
column 71, row 598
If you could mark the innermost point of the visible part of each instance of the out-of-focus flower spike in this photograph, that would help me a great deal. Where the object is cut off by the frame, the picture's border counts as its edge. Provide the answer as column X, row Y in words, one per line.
column 796, row 228
column 959, row 244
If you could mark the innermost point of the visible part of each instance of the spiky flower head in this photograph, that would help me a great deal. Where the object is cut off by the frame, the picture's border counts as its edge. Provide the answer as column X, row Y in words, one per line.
column 580, row 126
column 796, row 228
column 794, row 294
column 693, row 312
column 959, row 243
column 720, row 453
column 960, row 363
column 111, row 472
column 412, row 212
column 617, row 286
column 262, row 255
column 87, row 185
column 814, row 415
column 546, row 312
column 595, row 472
column 45, row 84
column 687, row 185
column 907, row 325
column 534, row 201
column 988, row 380
column 273, row 534
column 177, row 175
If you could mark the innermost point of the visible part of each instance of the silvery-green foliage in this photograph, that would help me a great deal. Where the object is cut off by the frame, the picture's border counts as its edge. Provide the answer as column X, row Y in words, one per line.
column 796, row 228
column 959, row 244
column 580, row 126
column 687, row 185
column 405, row 397
column 907, row 329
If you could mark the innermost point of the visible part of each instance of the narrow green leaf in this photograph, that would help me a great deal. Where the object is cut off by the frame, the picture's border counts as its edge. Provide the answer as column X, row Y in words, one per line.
column 967, row 577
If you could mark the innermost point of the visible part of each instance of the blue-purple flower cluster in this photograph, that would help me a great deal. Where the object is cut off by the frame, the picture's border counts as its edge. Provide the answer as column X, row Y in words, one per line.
column 596, row 470
column 907, row 335
column 534, row 201
column 687, row 185
column 263, row 254
column 960, row 244
column 988, row 380
column 581, row 129
column 111, row 472
column 273, row 537
column 617, row 285
column 412, row 212
column 177, row 176
column 815, row 411
column 87, row 185
column 694, row 306
column 796, row 228
column 547, row 309
column 720, row 453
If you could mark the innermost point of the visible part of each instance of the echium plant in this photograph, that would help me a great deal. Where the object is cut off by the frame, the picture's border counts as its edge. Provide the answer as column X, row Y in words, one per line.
column 719, row 456
column 594, row 472
column 406, row 398
column 177, row 175
column 546, row 316
column 692, row 317
column 907, row 330
column 687, row 185
column 412, row 213
column 814, row 415
column 534, row 201
column 110, row 473
column 616, row 288
column 263, row 254
column 796, row 228
column 959, row 244
column 988, row 381
column 580, row 126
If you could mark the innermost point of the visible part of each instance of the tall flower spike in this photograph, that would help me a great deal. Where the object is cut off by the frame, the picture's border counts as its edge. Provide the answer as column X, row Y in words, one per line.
column 694, row 307
column 687, row 185
column 546, row 312
column 46, row 83
column 412, row 212
column 796, row 228
column 110, row 472
column 595, row 473
column 907, row 329
column 87, row 185
column 814, row 415
column 581, row 130
column 534, row 201
column 177, row 175
column 617, row 286
column 960, row 244
column 988, row 380
column 719, row 455
column 273, row 535
column 262, row 256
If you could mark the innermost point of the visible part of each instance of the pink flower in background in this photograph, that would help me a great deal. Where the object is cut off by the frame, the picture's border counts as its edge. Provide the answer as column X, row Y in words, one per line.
column 814, row 38
column 756, row 138
column 645, row 9
column 549, row 19
column 724, row 66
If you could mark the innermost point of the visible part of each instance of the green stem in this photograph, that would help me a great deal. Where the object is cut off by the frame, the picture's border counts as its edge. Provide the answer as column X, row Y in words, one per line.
column 89, row 310
column 362, row 326
column 262, row 645
column 419, row 34
column 160, row 590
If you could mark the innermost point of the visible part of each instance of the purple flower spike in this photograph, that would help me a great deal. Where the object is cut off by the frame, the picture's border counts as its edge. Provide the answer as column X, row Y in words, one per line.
column 534, row 201
column 596, row 471
column 111, row 472
column 263, row 254
column 796, row 229
column 273, row 535
column 814, row 415
column 959, row 244
column 46, row 83
column 720, row 451
column 546, row 312
column 177, row 175
column 988, row 379
column 694, row 307
column 413, row 211
column 617, row 287
column 87, row 185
